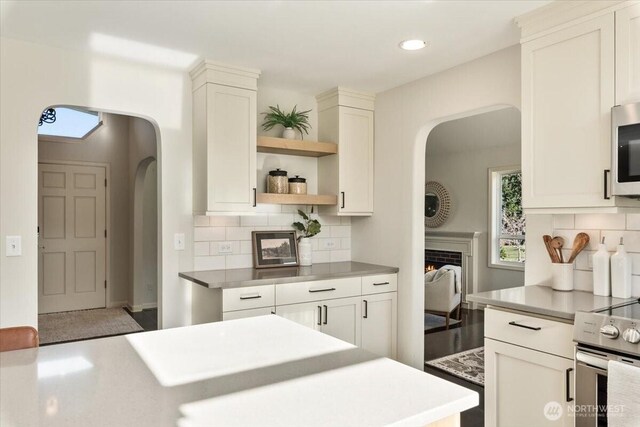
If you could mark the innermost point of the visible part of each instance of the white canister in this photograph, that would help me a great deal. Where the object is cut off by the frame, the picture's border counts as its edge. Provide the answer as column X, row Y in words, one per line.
column 562, row 277
column 621, row 266
column 601, row 271
column 304, row 251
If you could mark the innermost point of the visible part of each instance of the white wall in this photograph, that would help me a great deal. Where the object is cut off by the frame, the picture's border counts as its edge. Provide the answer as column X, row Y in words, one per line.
column 150, row 237
column 459, row 154
column 394, row 235
column 33, row 77
column 142, row 149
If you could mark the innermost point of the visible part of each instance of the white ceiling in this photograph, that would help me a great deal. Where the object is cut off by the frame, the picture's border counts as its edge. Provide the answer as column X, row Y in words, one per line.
column 301, row 45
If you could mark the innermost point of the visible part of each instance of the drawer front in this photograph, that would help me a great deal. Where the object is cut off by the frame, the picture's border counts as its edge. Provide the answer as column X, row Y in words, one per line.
column 379, row 284
column 249, row 297
column 531, row 332
column 293, row 293
column 241, row 314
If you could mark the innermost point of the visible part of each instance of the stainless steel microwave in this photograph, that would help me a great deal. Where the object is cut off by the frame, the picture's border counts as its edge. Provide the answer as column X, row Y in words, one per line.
column 625, row 158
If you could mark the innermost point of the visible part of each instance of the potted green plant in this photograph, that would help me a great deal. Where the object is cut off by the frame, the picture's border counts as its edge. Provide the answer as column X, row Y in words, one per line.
column 295, row 120
column 308, row 228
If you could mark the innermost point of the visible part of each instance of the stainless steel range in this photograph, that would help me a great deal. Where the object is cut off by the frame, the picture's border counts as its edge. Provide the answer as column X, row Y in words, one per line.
column 609, row 334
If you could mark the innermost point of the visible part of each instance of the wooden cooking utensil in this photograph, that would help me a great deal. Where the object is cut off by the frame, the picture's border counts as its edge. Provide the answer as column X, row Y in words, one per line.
column 552, row 253
column 557, row 243
column 579, row 243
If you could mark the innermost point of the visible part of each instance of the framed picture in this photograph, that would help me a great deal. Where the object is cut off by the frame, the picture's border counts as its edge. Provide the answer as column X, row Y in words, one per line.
column 274, row 249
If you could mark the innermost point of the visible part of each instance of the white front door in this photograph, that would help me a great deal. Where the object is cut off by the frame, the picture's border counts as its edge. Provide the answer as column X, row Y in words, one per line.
column 72, row 241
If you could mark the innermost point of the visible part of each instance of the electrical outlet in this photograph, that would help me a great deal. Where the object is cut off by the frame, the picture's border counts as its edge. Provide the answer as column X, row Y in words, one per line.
column 225, row 248
column 328, row 244
column 14, row 246
column 178, row 242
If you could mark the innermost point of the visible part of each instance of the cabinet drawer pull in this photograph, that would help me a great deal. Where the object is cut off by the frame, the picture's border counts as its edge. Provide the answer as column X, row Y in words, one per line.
column 250, row 297
column 606, row 184
column 255, row 198
column 381, row 283
column 533, row 328
column 568, row 384
column 366, row 310
column 326, row 314
column 342, row 193
column 321, row 290
column 319, row 315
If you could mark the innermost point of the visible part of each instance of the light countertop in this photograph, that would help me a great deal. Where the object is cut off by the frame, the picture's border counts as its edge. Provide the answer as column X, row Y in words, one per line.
column 254, row 371
column 543, row 300
column 240, row 277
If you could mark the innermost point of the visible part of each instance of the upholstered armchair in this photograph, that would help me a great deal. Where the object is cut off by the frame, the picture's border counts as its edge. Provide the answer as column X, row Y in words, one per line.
column 443, row 292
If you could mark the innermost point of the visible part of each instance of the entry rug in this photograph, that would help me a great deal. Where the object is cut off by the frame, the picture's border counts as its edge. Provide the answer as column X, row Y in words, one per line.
column 84, row 324
column 468, row 365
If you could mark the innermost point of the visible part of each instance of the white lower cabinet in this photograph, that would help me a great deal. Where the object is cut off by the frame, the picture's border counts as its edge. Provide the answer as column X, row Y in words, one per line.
column 528, row 370
column 339, row 318
column 359, row 310
column 379, row 324
column 355, row 310
column 525, row 387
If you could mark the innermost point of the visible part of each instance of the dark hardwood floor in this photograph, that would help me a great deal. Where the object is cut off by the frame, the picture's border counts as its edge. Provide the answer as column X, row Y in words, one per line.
column 469, row 334
column 147, row 319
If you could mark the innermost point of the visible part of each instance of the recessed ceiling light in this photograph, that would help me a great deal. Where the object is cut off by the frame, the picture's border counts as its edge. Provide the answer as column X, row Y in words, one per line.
column 413, row 44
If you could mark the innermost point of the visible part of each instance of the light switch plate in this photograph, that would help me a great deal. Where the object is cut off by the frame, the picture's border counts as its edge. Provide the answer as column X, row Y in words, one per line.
column 178, row 242
column 14, row 246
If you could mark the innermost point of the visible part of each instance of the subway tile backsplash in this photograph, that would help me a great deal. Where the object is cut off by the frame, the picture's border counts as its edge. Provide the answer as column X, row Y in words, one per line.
column 333, row 244
column 610, row 226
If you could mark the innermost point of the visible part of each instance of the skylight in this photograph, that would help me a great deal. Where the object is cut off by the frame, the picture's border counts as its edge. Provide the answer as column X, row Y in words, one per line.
column 71, row 123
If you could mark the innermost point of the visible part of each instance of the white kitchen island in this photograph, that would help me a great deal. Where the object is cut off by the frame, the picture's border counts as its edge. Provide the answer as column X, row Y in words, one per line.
column 263, row 371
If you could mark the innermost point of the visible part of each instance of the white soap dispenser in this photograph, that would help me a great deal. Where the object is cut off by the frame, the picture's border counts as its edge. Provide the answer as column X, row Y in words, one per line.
column 621, row 273
column 601, row 271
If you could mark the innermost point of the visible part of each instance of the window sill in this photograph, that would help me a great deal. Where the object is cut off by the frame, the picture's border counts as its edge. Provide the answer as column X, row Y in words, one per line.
column 507, row 266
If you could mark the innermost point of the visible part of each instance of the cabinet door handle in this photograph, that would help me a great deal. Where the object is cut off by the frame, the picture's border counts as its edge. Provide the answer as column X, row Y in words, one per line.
column 255, row 198
column 533, row 328
column 568, row 384
column 251, row 297
column 313, row 291
column 319, row 315
column 366, row 309
column 342, row 206
column 326, row 315
column 606, row 184
column 381, row 283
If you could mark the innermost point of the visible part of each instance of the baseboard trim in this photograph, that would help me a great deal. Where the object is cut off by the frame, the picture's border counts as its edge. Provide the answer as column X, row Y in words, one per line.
column 140, row 307
column 117, row 304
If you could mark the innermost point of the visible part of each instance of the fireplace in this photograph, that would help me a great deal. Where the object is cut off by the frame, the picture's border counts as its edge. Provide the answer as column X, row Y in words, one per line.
column 456, row 248
column 434, row 259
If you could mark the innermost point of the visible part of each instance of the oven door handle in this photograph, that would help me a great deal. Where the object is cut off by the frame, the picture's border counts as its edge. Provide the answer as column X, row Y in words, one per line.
column 592, row 361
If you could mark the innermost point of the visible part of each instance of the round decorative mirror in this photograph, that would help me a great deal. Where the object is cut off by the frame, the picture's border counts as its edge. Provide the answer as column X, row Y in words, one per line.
column 437, row 204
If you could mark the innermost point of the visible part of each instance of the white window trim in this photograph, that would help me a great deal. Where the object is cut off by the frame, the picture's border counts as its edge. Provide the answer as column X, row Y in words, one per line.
column 495, row 202
column 69, row 139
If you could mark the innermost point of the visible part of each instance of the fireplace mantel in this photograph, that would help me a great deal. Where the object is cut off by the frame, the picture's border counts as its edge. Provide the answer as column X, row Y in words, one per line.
column 465, row 243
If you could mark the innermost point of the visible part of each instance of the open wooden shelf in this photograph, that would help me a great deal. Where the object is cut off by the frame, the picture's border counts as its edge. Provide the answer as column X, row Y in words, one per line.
column 296, row 199
column 296, row 147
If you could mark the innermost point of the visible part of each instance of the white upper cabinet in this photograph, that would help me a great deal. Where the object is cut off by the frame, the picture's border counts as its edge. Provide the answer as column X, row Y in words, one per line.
column 224, row 138
column 346, row 118
column 628, row 55
column 568, row 89
column 567, row 95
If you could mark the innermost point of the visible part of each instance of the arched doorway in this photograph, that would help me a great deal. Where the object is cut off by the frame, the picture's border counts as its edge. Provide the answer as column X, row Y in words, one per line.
column 92, row 253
